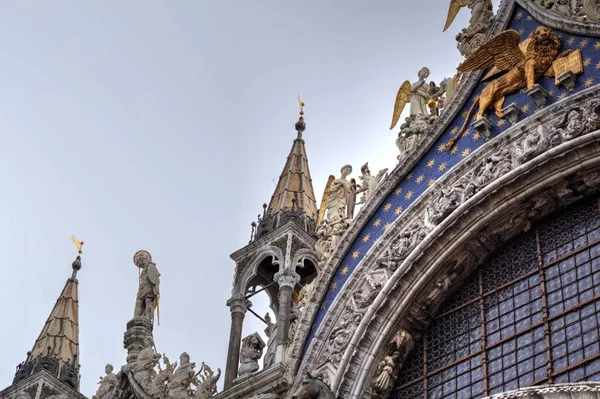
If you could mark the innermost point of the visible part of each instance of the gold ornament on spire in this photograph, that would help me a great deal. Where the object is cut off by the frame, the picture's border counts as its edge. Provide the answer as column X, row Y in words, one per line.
column 78, row 244
column 301, row 104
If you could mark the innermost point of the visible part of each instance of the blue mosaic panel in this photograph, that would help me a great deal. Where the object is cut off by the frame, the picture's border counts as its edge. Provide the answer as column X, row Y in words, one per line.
column 437, row 161
column 528, row 325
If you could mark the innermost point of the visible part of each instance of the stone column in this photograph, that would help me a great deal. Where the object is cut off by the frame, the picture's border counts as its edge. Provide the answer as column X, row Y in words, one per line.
column 238, row 305
column 138, row 329
column 287, row 280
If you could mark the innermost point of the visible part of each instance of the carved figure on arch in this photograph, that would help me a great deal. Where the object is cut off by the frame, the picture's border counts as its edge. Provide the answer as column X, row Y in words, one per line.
column 160, row 383
column 206, row 382
column 370, row 182
column 143, row 367
column 387, row 369
column 108, row 384
column 179, row 387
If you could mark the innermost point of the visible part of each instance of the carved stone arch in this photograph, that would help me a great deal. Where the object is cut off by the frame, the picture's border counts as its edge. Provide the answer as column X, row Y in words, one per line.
column 464, row 239
column 251, row 271
column 533, row 187
column 357, row 361
column 305, row 254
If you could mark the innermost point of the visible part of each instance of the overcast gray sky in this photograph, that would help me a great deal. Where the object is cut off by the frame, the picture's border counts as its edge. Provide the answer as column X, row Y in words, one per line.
column 163, row 125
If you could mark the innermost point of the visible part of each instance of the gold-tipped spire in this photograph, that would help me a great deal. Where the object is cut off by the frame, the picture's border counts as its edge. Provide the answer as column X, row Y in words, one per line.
column 78, row 244
column 301, row 104
column 294, row 193
column 58, row 342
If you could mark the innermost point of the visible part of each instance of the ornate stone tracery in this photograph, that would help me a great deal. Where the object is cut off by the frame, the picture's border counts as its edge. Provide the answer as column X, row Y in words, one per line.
column 504, row 156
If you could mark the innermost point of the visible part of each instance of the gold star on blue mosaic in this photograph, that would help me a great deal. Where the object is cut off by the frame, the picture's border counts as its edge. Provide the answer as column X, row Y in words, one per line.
column 334, row 285
column 366, row 238
column 439, row 159
column 398, row 211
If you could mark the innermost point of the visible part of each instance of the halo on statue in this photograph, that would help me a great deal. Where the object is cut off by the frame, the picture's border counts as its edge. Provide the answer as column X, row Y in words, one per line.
column 141, row 256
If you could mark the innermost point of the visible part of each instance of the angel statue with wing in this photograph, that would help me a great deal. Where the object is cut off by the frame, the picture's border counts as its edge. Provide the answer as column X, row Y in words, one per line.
column 478, row 9
column 148, row 292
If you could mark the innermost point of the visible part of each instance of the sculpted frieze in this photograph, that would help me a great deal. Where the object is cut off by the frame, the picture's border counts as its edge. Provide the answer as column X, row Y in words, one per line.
column 499, row 158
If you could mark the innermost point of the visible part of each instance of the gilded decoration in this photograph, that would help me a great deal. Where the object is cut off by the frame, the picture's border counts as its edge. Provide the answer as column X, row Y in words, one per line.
column 436, row 161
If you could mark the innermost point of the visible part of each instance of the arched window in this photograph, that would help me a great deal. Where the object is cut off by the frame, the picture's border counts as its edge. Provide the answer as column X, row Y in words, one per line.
column 529, row 315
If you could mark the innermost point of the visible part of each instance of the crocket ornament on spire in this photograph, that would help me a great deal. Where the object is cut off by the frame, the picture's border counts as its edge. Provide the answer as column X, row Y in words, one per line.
column 148, row 295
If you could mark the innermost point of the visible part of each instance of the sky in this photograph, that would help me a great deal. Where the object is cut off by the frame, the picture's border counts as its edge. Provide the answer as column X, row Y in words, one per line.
column 164, row 126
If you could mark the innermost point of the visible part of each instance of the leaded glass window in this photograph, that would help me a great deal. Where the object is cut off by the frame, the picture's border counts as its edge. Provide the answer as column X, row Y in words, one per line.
column 530, row 315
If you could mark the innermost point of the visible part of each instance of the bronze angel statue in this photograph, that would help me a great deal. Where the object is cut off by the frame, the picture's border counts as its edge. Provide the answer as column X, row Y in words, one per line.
column 521, row 66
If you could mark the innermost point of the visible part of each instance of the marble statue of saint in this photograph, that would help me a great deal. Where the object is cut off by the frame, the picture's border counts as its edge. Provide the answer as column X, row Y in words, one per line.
column 149, row 289
column 108, row 384
column 341, row 198
column 271, row 333
column 182, row 378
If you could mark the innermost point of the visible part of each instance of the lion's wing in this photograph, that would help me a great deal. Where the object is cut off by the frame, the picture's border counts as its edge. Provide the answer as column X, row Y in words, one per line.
column 501, row 51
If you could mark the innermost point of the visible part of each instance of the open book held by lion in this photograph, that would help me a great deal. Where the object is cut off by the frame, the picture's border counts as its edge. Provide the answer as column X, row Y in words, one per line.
column 521, row 65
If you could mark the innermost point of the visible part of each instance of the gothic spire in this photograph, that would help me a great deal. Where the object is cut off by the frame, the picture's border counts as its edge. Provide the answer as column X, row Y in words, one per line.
column 294, row 196
column 56, row 350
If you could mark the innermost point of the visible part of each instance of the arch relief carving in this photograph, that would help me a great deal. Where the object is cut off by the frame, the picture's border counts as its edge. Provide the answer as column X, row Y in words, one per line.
column 418, row 214
column 250, row 271
column 518, row 152
column 456, row 247
column 461, row 96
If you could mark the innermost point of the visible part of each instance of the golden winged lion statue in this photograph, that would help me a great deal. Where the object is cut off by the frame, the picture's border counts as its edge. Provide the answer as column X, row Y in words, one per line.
column 519, row 68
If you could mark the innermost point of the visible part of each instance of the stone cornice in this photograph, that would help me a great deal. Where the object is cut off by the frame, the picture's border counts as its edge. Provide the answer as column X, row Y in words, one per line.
column 579, row 390
column 271, row 380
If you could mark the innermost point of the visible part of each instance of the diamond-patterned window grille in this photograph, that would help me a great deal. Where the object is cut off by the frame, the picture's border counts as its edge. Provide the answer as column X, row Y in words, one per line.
column 530, row 315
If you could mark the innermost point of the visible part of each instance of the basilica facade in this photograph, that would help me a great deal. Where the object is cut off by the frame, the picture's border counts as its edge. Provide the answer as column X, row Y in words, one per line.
column 470, row 270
